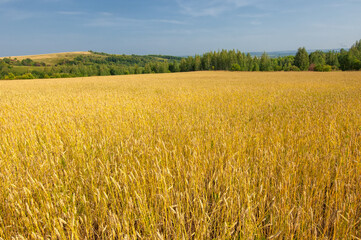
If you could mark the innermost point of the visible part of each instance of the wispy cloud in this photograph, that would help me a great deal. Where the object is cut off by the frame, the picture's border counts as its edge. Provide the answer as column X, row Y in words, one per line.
column 103, row 21
column 338, row 27
column 255, row 15
column 200, row 8
column 109, row 20
column 170, row 21
column 256, row 23
column 71, row 13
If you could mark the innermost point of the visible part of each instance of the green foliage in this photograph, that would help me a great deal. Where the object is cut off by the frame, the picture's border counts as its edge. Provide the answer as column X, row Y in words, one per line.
column 27, row 62
column 301, row 59
column 351, row 60
column 327, row 68
column 147, row 68
column 7, row 60
column 294, row 68
column 183, row 66
column 10, row 76
column 318, row 58
column 174, row 66
column 26, row 76
column 265, row 63
column 323, row 68
column 332, row 59
column 235, row 67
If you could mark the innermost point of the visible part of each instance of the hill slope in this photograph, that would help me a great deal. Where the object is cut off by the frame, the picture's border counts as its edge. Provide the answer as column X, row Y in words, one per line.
column 50, row 58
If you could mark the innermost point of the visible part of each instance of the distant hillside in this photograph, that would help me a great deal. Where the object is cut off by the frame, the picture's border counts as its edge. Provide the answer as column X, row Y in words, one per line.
column 90, row 57
column 81, row 64
column 50, row 58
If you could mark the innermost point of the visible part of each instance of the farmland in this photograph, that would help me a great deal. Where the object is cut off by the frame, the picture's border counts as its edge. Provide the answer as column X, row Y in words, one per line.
column 50, row 58
column 198, row 155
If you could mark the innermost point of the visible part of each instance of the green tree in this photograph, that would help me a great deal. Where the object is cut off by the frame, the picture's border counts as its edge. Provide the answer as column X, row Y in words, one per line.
column 27, row 62
column 265, row 62
column 318, row 58
column 332, row 59
column 183, row 65
column 206, row 61
column 197, row 63
column 174, row 66
column 255, row 64
column 302, row 60
column 147, row 68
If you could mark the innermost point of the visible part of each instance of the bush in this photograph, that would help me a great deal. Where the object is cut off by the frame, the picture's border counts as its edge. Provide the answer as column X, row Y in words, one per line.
column 26, row 76
column 10, row 76
column 318, row 68
column 327, row 68
column 235, row 67
column 278, row 68
column 323, row 68
column 294, row 68
column 312, row 67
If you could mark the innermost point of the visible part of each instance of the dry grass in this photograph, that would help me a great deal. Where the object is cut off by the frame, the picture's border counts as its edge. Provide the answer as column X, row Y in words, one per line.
column 50, row 57
column 207, row 155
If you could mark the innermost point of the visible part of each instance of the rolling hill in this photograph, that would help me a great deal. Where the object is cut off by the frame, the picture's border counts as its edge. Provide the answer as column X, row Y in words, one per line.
column 50, row 58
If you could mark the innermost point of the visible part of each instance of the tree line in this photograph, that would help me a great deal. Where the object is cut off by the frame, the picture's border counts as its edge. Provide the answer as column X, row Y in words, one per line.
column 103, row 64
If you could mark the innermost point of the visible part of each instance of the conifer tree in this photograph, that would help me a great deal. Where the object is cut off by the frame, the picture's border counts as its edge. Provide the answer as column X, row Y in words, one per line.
column 265, row 62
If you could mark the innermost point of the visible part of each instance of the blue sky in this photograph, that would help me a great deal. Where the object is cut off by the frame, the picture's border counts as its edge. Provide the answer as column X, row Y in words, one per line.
column 176, row 27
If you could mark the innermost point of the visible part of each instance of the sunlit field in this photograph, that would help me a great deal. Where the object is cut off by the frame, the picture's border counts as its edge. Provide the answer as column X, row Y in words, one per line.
column 203, row 155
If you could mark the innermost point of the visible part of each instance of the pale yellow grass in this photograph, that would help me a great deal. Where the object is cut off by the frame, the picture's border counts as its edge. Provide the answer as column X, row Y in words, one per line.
column 205, row 155
column 45, row 57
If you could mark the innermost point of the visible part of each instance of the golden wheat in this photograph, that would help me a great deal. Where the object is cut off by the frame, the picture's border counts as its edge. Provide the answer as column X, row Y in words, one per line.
column 205, row 155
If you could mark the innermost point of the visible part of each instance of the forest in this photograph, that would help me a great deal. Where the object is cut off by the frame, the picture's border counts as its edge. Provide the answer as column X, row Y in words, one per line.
column 103, row 64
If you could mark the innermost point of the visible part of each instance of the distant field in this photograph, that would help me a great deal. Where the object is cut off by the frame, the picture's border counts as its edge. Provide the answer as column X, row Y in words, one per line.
column 50, row 58
column 201, row 155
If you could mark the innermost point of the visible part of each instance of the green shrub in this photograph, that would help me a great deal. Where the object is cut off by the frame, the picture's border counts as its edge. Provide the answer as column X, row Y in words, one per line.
column 327, row 68
column 26, row 76
column 10, row 76
column 235, row 67
column 294, row 68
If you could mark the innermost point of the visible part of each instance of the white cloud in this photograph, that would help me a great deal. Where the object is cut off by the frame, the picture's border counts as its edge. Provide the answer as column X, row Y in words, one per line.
column 256, row 23
column 336, row 27
column 170, row 21
column 73, row 13
column 255, row 15
column 109, row 20
column 199, row 8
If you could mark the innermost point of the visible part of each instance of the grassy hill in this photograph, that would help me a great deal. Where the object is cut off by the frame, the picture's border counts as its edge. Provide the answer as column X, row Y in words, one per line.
column 50, row 58
column 96, row 57
column 81, row 64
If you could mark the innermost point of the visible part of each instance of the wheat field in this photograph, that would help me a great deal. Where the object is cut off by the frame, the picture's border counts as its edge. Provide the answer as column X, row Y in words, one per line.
column 203, row 155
